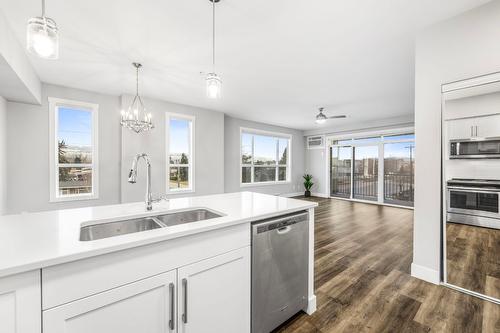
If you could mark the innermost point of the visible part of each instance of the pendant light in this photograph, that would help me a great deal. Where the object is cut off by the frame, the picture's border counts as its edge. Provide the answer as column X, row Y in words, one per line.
column 213, row 81
column 136, row 118
column 42, row 37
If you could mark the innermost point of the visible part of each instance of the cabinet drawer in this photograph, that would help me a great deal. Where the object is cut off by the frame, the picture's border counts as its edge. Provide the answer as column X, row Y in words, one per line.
column 142, row 306
column 71, row 281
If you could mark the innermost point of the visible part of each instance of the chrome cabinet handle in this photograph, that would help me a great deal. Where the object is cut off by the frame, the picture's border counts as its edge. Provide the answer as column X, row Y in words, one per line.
column 476, row 131
column 171, row 321
column 185, row 289
column 472, row 131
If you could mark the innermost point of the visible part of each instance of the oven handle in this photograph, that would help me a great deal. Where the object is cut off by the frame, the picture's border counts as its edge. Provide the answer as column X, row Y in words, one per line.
column 473, row 189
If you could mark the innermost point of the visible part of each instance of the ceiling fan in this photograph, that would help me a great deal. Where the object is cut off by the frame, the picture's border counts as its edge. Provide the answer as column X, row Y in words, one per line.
column 321, row 117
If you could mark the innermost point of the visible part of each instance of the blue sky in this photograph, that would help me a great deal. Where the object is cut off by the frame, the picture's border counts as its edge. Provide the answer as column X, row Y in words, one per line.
column 179, row 136
column 265, row 146
column 75, row 127
column 399, row 150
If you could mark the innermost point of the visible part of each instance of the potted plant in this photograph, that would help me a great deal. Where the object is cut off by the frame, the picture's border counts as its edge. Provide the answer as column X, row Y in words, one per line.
column 308, row 184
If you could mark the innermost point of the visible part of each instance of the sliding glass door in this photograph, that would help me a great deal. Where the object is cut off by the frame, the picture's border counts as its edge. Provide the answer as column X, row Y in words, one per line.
column 365, row 173
column 379, row 168
column 340, row 172
column 399, row 170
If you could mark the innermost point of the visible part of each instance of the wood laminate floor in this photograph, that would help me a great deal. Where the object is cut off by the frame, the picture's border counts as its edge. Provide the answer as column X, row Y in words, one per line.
column 473, row 258
column 363, row 254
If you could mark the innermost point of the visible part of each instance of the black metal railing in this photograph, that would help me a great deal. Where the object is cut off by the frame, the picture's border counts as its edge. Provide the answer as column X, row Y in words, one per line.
column 399, row 188
column 341, row 185
column 365, row 186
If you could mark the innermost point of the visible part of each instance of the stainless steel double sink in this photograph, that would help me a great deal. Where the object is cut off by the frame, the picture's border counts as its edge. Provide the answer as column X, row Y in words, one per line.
column 122, row 227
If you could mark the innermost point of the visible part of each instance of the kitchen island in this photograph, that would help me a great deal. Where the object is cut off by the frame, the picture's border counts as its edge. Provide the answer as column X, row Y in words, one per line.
column 189, row 277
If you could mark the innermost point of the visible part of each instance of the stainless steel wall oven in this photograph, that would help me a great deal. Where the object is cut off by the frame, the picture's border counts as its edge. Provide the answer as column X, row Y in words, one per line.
column 474, row 202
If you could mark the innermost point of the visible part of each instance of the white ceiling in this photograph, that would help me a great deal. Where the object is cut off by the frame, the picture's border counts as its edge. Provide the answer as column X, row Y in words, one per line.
column 278, row 59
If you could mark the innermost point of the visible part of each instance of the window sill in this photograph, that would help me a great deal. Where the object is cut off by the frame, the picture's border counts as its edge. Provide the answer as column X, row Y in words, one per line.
column 174, row 192
column 264, row 184
column 74, row 198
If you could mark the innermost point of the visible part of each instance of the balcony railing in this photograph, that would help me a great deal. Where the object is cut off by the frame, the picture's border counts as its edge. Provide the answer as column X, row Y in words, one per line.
column 341, row 185
column 365, row 186
column 399, row 189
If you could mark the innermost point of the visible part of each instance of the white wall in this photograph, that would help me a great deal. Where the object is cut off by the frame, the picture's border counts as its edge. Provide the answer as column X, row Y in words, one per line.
column 28, row 151
column 232, row 158
column 209, row 151
column 19, row 81
column 3, row 152
column 465, row 46
column 316, row 166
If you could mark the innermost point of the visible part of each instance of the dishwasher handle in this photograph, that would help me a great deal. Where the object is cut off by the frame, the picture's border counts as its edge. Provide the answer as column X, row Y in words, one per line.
column 283, row 230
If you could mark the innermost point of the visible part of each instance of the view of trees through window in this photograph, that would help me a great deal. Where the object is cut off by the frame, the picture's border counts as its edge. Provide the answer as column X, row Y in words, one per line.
column 74, row 151
column 179, row 158
column 355, row 169
column 264, row 158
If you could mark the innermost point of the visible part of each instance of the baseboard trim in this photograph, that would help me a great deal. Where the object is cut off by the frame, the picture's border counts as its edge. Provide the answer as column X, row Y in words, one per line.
column 289, row 195
column 311, row 305
column 320, row 195
column 424, row 273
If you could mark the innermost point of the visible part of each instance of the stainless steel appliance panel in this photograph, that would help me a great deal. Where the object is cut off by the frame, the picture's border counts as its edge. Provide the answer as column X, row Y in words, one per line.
column 475, row 148
column 279, row 270
column 474, row 202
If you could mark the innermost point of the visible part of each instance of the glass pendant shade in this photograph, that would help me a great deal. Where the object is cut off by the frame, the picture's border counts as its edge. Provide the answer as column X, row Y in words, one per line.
column 42, row 37
column 214, row 86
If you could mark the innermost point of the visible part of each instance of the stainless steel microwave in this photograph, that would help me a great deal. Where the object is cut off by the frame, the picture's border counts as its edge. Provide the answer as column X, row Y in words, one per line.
column 475, row 148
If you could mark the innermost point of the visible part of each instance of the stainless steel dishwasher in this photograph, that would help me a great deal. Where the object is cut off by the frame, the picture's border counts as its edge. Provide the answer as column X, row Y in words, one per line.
column 279, row 269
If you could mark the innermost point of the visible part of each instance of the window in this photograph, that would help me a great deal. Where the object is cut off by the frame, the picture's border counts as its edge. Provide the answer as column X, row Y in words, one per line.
column 265, row 157
column 180, row 153
column 73, row 156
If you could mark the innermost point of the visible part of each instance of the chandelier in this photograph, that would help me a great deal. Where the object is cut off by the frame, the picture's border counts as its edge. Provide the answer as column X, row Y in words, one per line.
column 136, row 118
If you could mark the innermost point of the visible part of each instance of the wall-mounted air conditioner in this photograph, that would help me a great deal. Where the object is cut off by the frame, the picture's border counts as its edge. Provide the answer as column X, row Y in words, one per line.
column 315, row 142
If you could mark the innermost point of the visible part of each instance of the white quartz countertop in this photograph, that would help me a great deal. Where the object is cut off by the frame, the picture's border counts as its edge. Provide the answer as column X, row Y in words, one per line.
column 35, row 240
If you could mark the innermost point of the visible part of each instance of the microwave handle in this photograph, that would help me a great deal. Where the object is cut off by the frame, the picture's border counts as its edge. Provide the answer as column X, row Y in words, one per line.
column 473, row 189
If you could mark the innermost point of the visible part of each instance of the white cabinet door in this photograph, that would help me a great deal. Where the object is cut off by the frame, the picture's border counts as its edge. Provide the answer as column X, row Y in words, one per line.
column 20, row 303
column 488, row 127
column 460, row 128
column 214, row 294
column 142, row 306
column 485, row 127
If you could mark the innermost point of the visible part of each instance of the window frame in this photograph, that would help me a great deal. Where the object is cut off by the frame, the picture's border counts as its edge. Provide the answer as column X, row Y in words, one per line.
column 191, row 157
column 288, row 165
column 54, row 105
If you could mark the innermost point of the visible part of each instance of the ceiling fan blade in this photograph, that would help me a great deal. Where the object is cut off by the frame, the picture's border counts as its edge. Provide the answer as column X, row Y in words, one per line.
column 337, row 117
